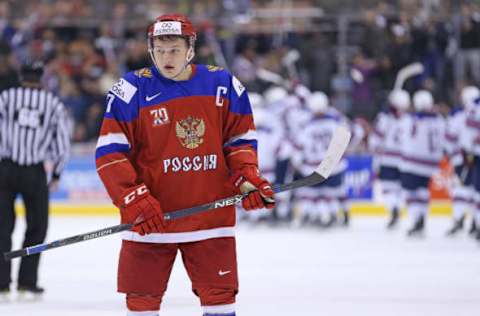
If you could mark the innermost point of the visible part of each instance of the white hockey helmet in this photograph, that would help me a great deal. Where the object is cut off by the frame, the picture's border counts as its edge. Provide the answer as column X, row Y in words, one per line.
column 468, row 96
column 256, row 100
column 317, row 102
column 399, row 99
column 423, row 100
column 275, row 94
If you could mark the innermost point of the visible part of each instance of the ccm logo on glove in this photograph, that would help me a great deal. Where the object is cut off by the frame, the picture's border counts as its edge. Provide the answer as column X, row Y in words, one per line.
column 132, row 195
column 142, row 210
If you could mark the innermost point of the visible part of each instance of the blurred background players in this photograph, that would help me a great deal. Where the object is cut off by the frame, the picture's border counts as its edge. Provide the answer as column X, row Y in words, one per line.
column 318, row 204
column 270, row 134
column 385, row 141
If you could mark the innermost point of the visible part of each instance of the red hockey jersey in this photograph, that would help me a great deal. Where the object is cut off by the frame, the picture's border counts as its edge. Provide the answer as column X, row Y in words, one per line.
column 180, row 138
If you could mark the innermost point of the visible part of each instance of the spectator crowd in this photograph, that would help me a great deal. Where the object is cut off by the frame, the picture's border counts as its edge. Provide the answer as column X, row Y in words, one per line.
column 88, row 45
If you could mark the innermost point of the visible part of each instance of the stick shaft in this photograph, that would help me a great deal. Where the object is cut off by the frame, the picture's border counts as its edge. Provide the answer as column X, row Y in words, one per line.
column 312, row 179
column 334, row 153
column 66, row 241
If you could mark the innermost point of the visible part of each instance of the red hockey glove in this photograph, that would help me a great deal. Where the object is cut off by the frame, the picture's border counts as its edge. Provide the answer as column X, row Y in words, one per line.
column 142, row 210
column 260, row 192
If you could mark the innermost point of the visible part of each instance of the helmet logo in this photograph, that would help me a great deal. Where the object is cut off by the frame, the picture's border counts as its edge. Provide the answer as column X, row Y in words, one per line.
column 167, row 28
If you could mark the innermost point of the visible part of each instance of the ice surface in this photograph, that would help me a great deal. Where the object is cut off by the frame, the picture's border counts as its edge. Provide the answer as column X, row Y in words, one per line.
column 362, row 270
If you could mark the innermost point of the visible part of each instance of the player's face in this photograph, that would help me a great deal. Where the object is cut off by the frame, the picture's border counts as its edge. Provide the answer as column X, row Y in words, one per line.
column 170, row 56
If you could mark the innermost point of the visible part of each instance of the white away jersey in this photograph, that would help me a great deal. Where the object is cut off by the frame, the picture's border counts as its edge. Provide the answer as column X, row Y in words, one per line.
column 270, row 135
column 423, row 143
column 311, row 142
column 386, row 139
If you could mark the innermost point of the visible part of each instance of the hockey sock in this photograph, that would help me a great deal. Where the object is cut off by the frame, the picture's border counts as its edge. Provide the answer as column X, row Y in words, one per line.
column 219, row 310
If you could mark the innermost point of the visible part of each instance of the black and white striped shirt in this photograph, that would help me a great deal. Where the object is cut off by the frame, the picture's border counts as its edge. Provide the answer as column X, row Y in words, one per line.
column 33, row 128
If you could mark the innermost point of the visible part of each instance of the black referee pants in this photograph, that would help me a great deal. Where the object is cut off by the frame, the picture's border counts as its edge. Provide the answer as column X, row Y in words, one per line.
column 31, row 183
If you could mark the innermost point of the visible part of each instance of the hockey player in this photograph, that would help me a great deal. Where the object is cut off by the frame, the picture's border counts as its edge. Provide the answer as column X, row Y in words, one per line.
column 319, row 204
column 473, row 154
column 177, row 135
column 422, row 150
column 385, row 143
column 289, row 108
column 462, row 191
column 270, row 134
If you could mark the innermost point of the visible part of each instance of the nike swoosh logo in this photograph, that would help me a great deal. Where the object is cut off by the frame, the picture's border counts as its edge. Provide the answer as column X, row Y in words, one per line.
column 222, row 273
column 150, row 98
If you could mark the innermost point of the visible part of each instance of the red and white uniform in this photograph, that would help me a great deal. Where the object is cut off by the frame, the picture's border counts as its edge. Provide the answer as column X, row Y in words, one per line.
column 182, row 139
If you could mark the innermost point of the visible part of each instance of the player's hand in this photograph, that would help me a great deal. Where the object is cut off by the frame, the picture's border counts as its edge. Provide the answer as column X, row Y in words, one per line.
column 140, row 208
column 259, row 191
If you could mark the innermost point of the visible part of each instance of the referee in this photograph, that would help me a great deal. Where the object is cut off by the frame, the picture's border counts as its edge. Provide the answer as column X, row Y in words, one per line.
column 33, row 129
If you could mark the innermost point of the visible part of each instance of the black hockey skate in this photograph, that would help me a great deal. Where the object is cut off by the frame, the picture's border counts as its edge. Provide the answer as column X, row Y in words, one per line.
column 457, row 226
column 473, row 228
column 393, row 219
column 417, row 229
column 346, row 218
column 4, row 294
column 29, row 293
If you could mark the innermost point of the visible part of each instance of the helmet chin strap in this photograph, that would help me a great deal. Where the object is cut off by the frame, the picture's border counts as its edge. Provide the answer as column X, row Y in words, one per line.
column 190, row 55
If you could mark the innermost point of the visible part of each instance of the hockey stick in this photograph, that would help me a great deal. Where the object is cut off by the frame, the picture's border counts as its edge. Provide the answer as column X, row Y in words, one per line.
column 335, row 151
column 406, row 73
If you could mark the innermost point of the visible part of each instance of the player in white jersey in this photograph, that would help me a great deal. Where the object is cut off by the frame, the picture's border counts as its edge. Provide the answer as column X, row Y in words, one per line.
column 270, row 134
column 456, row 135
column 276, row 102
column 385, row 143
column 473, row 149
column 319, row 202
column 422, row 149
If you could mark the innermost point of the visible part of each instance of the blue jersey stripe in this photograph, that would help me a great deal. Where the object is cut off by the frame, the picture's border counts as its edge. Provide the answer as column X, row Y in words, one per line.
column 242, row 142
column 111, row 148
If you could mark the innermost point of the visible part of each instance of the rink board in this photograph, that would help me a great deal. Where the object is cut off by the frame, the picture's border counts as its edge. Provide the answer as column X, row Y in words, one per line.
column 80, row 183
column 101, row 209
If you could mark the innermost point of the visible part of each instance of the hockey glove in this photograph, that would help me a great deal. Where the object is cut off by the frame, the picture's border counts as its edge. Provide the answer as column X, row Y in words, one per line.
column 140, row 208
column 260, row 192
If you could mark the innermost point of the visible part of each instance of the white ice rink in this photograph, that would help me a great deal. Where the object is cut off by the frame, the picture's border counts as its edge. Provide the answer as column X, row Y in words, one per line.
column 363, row 270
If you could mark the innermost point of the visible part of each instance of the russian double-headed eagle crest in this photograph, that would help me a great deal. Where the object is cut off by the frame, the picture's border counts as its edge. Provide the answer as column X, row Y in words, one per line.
column 190, row 132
